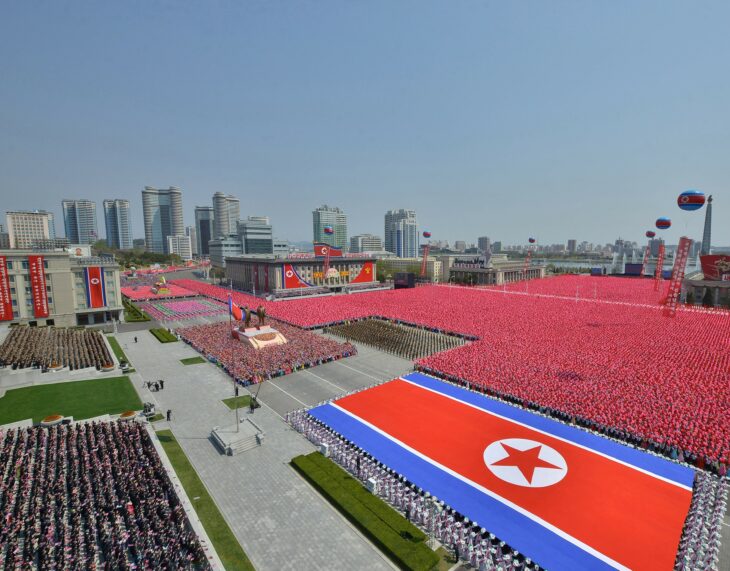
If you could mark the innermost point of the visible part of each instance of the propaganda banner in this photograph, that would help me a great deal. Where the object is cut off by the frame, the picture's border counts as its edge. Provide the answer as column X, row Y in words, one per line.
column 716, row 267
column 659, row 267
column 646, row 261
column 95, row 291
column 327, row 250
column 6, row 304
column 367, row 274
column 292, row 280
column 38, row 286
column 675, row 283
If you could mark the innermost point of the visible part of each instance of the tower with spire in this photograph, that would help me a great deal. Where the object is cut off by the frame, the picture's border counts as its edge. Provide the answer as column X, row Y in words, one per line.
column 707, row 234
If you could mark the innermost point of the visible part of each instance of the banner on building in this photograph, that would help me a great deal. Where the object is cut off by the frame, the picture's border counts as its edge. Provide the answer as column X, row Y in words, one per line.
column 95, row 290
column 659, row 267
column 367, row 274
column 6, row 304
column 36, row 267
column 716, row 267
column 675, row 283
column 292, row 280
column 321, row 249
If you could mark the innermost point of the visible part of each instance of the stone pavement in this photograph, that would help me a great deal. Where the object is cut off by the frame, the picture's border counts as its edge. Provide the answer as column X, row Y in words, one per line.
column 279, row 520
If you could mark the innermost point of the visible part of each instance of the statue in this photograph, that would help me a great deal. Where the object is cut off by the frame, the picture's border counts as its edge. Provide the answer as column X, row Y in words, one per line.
column 247, row 317
column 261, row 313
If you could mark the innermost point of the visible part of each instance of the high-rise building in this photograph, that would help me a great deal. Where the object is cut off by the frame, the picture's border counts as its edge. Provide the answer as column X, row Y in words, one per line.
column 401, row 233
column 333, row 217
column 497, row 247
column 118, row 224
column 366, row 243
column 25, row 227
column 4, row 238
column 180, row 244
column 484, row 243
column 256, row 234
column 192, row 234
column 460, row 245
column 707, row 234
column 572, row 246
column 163, row 216
column 204, row 229
column 654, row 244
column 79, row 221
column 226, row 211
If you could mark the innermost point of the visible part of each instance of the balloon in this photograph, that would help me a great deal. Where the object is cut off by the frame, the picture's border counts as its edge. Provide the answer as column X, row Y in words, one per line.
column 691, row 200
column 663, row 223
column 650, row 233
column 427, row 234
column 328, row 230
column 531, row 240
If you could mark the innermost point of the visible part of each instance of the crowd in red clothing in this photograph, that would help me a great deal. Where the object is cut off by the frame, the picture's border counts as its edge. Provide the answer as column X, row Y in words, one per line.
column 90, row 496
column 607, row 360
column 144, row 292
column 302, row 350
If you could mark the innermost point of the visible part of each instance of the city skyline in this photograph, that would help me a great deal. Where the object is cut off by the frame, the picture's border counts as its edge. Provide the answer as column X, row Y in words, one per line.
column 476, row 131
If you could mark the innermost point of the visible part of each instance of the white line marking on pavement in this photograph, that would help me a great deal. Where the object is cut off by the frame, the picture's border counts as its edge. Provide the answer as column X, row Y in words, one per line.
column 359, row 371
column 271, row 382
column 339, row 388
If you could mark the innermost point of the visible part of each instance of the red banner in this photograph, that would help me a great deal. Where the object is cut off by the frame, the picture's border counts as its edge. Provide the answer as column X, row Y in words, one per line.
column 38, row 286
column 659, row 267
column 675, row 284
column 327, row 250
column 95, row 293
column 366, row 275
column 646, row 260
column 716, row 267
column 6, row 304
column 292, row 279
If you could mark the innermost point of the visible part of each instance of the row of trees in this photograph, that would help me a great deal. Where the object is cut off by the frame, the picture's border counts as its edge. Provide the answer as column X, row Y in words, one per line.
column 136, row 257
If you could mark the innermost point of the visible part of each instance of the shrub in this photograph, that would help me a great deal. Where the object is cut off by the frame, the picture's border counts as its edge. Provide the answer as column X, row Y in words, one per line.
column 163, row 335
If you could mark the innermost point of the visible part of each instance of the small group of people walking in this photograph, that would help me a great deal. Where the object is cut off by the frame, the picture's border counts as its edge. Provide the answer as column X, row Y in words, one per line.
column 155, row 386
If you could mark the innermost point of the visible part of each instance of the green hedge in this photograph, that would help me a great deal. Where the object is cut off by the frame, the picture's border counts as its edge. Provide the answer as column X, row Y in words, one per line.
column 402, row 541
column 132, row 313
column 163, row 335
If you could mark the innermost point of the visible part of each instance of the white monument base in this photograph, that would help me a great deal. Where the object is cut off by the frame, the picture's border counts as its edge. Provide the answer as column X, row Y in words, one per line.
column 230, row 442
column 259, row 338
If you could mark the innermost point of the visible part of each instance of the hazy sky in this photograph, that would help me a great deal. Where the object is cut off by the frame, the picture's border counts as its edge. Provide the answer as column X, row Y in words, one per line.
column 554, row 119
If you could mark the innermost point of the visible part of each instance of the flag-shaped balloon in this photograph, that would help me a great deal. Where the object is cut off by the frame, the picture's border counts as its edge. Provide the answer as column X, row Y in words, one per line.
column 663, row 223
column 234, row 310
column 329, row 230
column 691, row 200
column 650, row 233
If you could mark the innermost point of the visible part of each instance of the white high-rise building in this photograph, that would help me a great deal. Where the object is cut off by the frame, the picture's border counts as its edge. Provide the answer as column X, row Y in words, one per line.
column 26, row 227
column 330, row 216
column 79, row 221
column 366, row 243
column 226, row 212
column 193, row 234
column 163, row 216
column 180, row 245
column 401, row 233
column 256, row 234
column 118, row 223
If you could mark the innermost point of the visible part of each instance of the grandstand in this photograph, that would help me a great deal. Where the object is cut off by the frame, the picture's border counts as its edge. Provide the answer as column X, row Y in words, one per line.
column 51, row 348
column 90, row 496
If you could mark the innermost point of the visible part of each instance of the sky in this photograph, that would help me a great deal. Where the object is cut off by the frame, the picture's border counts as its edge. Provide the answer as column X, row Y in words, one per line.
column 553, row 119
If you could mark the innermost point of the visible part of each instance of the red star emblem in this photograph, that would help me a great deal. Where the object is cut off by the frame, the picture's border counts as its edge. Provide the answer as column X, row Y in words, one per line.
column 525, row 460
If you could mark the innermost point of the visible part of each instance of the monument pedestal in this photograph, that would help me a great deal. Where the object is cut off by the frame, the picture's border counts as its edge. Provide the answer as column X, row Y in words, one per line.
column 230, row 442
column 259, row 338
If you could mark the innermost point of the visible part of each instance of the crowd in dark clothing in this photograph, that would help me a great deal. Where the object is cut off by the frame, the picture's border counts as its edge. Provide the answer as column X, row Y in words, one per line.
column 402, row 340
column 50, row 347
column 90, row 496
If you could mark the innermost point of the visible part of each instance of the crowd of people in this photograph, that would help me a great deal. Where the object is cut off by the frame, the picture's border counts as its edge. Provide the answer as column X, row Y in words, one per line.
column 51, row 348
column 402, row 340
column 145, row 292
column 90, row 496
column 698, row 549
column 247, row 365
column 604, row 357
column 181, row 310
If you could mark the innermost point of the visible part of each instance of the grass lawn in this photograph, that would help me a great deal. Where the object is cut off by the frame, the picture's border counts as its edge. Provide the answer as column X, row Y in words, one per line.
column 80, row 399
column 193, row 360
column 398, row 538
column 117, row 348
column 163, row 335
column 238, row 402
column 225, row 543
column 157, row 417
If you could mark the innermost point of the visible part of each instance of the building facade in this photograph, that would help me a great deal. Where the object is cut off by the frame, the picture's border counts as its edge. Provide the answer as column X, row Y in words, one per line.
column 572, row 246
column 494, row 272
column 118, row 223
column 284, row 277
column 256, row 235
column 330, row 216
column 222, row 248
column 226, row 212
column 204, row 229
column 484, row 243
column 193, row 235
column 181, row 246
column 79, row 221
column 4, row 238
column 401, row 233
column 163, row 216
column 54, row 288
column 434, row 271
column 365, row 243
column 25, row 227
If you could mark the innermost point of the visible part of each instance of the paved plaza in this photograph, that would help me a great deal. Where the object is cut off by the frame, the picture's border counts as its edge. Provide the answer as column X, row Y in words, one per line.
column 280, row 521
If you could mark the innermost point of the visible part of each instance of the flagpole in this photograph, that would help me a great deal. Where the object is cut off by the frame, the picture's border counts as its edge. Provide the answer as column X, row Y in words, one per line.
column 230, row 324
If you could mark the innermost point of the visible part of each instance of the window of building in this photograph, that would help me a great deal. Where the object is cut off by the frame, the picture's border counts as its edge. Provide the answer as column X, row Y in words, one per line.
column 45, row 264
column 9, row 265
column 16, row 314
column 24, row 264
column 50, row 300
column 15, row 302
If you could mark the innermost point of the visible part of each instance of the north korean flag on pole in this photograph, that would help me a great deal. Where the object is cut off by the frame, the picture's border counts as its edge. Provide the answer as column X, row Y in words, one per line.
column 234, row 310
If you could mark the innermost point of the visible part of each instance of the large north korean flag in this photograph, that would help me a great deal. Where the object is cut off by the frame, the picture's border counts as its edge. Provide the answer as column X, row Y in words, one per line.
column 564, row 497
column 95, row 291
